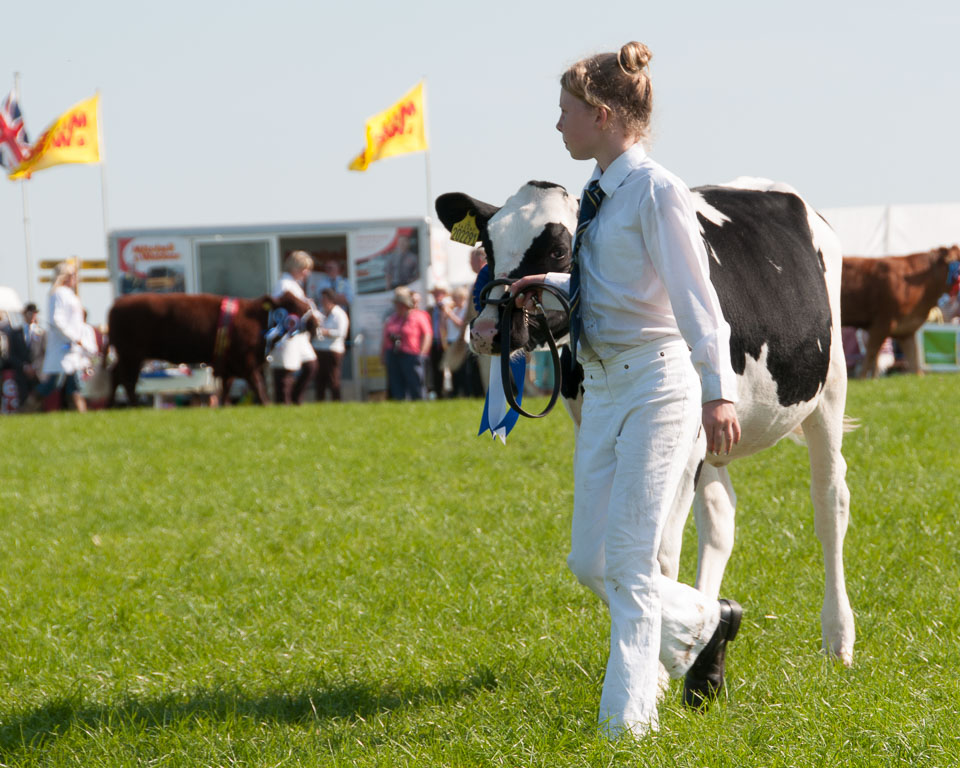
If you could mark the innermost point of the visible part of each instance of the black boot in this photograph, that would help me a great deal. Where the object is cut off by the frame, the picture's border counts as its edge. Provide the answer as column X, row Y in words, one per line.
column 704, row 679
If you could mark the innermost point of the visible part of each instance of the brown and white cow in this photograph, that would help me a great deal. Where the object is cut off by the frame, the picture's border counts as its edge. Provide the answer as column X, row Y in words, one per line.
column 775, row 264
column 892, row 296
column 193, row 329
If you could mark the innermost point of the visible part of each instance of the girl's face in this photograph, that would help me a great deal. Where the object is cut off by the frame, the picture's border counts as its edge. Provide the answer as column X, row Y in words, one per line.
column 581, row 126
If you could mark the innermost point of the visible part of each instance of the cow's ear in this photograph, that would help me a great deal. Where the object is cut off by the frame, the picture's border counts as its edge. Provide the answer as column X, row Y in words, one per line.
column 267, row 302
column 453, row 207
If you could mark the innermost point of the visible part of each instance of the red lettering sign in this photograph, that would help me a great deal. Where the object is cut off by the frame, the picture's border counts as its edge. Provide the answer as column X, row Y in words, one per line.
column 396, row 123
column 64, row 136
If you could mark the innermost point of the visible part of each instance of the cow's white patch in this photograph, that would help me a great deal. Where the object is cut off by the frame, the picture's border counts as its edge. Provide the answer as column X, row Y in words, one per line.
column 517, row 224
column 711, row 214
column 763, row 420
column 760, row 184
column 514, row 227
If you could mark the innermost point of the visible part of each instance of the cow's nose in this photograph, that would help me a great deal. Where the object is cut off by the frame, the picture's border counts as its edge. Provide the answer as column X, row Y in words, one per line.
column 483, row 331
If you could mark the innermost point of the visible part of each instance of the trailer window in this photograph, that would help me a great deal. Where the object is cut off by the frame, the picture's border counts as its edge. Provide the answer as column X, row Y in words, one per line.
column 234, row 268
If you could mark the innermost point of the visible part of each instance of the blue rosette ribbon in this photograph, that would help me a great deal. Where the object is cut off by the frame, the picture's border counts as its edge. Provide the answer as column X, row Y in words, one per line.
column 498, row 417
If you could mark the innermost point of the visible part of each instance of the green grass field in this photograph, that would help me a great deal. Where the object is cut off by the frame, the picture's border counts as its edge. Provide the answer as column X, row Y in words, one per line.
column 372, row 585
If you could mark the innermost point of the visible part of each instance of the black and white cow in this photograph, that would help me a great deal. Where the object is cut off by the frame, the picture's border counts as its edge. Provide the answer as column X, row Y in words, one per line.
column 775, row 264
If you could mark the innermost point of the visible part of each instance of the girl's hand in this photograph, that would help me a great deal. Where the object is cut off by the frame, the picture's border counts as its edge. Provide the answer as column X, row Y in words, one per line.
column 721, row 426
column 517, row 290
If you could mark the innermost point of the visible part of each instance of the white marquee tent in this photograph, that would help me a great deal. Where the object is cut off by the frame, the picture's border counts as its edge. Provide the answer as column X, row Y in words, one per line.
column 895, row 230
column 9, row 300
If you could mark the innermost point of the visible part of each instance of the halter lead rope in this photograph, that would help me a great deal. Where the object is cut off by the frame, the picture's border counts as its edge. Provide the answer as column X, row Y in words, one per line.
column 507, row 304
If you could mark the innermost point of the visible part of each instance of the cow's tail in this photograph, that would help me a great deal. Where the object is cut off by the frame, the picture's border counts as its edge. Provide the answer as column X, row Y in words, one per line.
column 849, row 424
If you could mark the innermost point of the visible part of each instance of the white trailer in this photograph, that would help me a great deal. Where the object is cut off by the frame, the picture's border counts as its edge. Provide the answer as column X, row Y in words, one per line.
column 246, row 261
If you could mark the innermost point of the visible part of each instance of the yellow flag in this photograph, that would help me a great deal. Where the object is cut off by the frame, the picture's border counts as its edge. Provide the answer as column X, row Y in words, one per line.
column 72, row 138
column 395, row 131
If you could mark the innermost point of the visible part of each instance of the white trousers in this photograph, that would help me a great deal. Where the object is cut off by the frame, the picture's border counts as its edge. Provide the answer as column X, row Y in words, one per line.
column 641, row 416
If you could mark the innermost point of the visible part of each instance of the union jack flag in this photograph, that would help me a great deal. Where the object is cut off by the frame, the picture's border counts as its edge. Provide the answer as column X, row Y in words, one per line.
column 14, row 145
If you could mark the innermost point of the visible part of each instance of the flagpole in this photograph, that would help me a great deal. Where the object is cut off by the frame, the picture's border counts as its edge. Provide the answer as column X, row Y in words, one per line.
column 26, row 207
column 103, row 177
column 426, row 153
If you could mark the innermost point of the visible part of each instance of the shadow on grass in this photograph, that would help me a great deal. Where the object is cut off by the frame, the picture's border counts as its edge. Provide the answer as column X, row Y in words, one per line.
column 349, row 700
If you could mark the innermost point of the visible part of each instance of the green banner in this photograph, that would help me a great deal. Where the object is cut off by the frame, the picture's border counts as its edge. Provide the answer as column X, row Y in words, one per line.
column 940, row 347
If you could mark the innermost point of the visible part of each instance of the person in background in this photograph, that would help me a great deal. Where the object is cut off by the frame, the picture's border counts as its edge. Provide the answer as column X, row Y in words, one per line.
column 950, row 308
column 467, row 368
column 402, row 264
column 5, row 330
column 332, row 278
column 27, row 349
column 68, row 345
column 478, row 259
column 456, row 320
column 294, row 362
column 852, row 349
column 10, row 401
column 423, row 317
column 442, row 304
column 330, row 345
column 406, row 344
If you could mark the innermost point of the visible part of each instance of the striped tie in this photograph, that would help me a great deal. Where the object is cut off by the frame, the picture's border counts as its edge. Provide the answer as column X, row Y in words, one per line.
column 589, row 205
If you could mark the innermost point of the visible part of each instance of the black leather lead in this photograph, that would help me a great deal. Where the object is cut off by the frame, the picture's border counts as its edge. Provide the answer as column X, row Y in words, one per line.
column 507, row 305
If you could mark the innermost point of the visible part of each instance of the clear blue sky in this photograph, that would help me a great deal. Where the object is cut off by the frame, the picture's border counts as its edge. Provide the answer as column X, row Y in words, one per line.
column 239, row 112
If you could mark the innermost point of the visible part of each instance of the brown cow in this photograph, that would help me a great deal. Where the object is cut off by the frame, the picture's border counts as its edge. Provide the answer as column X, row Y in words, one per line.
column 184, row 328
column 892, row 296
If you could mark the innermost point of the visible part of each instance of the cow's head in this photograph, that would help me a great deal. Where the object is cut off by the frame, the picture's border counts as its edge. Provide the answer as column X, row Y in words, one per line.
column 309, row 322
column 530, row 234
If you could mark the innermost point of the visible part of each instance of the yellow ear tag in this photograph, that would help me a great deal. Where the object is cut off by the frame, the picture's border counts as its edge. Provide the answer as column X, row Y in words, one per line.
column 466, row 231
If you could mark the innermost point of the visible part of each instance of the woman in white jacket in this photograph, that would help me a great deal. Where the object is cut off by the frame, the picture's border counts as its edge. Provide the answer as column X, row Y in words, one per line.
column 293, row 361
column 69, row 345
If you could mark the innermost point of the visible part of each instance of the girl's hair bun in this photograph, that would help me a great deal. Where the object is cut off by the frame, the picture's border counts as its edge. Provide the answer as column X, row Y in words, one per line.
column 633, row 57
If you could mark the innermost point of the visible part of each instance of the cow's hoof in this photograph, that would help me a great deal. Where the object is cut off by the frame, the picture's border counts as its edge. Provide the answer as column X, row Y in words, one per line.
column 704, row 680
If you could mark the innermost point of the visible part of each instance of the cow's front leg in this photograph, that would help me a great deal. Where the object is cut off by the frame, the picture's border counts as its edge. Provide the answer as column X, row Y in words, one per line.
column 831, row 505
column 911, row 353
column 875, row 338
column 714, row 509
column 258, row 384
column 125, row 373
column 226, row 384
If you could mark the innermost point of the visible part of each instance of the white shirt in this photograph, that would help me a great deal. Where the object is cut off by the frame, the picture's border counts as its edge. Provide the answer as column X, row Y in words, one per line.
column 644, row 273
column 453, row 330
column 335, row 327
column 292, row 351
column 340, row 284
column 64, row 351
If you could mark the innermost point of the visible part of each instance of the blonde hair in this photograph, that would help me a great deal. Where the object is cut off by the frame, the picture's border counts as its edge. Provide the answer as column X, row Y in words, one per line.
column 62, row 272
column 297, row 260
column 619, row 82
